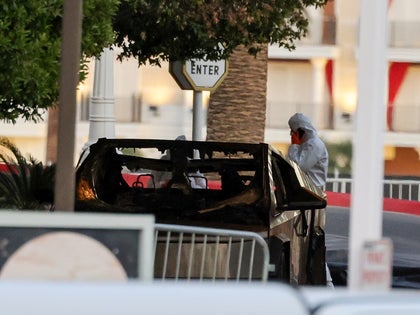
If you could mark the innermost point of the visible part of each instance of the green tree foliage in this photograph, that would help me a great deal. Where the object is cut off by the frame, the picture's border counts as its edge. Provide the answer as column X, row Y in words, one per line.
column 162, row 30
column 30, row 48
column 340, row 157
column 24, row 183
column 149, row 30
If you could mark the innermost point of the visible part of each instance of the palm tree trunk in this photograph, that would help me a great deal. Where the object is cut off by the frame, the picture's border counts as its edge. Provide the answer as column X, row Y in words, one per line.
column 237, row 108
column 51, row 156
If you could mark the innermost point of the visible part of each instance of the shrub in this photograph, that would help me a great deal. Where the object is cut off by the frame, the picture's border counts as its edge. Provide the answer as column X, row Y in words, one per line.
column 25, row 183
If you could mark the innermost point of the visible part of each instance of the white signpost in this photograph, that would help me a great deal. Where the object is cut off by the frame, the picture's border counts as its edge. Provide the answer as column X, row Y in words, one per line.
column 198, row 75
column 368, row 163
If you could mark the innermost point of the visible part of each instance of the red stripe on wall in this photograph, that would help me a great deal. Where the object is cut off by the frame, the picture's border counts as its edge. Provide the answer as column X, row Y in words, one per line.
column 388, row 204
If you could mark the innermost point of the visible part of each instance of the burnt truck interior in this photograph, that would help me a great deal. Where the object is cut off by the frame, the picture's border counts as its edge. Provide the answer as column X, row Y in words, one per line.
column 238, row 186
column 207, row 181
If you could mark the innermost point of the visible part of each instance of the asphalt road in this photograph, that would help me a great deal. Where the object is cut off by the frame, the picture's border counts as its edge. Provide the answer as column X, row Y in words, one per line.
column 404, row 231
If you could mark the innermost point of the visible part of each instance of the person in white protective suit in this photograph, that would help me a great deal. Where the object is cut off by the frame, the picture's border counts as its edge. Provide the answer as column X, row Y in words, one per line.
column 311, row 154
column 308, row 150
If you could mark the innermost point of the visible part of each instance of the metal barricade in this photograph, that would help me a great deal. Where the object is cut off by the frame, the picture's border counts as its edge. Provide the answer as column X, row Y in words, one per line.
column 198, row 253
column 393, row 188
column 402, row 189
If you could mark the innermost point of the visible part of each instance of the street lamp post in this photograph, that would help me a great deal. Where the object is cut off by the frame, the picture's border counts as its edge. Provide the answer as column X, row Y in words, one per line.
column 101, row 109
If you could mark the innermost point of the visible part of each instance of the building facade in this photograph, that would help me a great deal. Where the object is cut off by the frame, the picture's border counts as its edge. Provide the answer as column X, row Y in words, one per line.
column 318, row 78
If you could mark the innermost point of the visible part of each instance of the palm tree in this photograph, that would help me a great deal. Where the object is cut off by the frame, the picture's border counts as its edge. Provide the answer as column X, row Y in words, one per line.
column 52, row 132
column 237, row 108
column 24, row 183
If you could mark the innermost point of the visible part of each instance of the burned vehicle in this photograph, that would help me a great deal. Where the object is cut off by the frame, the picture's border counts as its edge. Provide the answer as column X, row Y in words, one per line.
column 240, row 186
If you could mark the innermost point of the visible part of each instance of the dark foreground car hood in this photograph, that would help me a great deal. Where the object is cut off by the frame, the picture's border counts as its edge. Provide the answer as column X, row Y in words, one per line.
column 402, row 229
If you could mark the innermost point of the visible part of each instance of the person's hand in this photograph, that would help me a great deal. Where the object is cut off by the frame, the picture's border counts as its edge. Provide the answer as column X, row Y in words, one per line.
column 295, row 138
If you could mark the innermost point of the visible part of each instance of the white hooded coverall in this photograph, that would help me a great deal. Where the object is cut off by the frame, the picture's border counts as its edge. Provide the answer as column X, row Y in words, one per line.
column 311, row 155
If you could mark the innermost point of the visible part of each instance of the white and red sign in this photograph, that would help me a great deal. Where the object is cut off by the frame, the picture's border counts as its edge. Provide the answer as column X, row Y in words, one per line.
column 376, row 260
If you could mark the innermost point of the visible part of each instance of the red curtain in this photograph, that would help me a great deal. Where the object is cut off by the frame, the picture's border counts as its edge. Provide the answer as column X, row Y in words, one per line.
column 329, row 72
column 396, row 75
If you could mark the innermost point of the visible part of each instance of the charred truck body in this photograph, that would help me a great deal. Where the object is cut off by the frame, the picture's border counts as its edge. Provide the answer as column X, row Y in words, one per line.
column 239, row 186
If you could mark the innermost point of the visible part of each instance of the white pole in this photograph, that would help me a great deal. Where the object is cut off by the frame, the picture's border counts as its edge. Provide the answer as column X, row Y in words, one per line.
column 197, row 134
column 101, row 112
column 368, row 140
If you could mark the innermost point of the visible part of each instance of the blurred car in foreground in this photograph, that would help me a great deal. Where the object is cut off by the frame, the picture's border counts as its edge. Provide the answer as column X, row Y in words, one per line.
column 189, row 298
column 240, row 186
column 402, row 228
